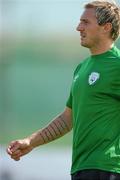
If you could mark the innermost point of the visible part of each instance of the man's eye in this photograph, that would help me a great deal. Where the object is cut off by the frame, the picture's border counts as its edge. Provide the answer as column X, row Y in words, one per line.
column 86, row 22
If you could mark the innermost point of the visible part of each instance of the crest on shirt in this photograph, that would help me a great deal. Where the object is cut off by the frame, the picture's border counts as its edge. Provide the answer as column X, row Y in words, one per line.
column 93, row 77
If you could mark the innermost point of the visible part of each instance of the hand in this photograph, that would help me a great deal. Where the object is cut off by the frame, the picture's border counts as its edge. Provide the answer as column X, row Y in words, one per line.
column 19, row 148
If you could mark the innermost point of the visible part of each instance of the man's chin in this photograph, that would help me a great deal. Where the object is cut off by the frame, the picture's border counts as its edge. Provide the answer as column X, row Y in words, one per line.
column 84, row 44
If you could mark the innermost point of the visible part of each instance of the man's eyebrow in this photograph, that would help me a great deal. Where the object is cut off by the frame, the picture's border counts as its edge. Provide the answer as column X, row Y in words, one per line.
column 84, row 19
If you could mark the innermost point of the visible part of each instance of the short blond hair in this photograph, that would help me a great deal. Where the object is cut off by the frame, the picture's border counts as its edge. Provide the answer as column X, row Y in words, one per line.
column 107, row 12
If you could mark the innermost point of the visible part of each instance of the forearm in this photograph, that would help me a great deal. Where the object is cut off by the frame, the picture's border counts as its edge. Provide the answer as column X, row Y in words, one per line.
column 57, row 128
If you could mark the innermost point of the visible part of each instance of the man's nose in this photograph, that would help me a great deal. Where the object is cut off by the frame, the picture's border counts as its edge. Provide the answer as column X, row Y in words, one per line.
column 79, row 27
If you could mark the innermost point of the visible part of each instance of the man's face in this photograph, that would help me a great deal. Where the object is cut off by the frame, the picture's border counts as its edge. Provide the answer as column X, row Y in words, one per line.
column 89, row 29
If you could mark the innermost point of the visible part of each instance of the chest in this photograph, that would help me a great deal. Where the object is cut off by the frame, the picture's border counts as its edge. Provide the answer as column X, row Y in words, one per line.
column 94, row 77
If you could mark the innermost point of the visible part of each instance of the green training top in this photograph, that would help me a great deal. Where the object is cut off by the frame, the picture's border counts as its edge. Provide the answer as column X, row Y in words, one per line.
column 95, row 104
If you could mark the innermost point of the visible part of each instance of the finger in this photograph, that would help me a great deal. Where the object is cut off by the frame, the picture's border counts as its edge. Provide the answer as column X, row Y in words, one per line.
column 16, row 158
column 13, row 146
column 16, row 153
column 9, row 151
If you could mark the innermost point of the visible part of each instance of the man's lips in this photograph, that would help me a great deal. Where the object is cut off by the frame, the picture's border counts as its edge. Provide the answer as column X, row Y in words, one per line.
column 82, row 36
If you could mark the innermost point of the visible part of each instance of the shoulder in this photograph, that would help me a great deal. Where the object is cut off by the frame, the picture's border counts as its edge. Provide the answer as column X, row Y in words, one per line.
column 116, row 53
column 80, row 65
column 114, row 57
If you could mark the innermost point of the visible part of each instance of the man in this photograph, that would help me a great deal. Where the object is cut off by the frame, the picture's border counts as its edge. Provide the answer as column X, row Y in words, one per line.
column 93, row 107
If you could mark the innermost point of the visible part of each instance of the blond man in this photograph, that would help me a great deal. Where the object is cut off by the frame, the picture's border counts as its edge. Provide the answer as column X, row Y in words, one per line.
column 93, row 107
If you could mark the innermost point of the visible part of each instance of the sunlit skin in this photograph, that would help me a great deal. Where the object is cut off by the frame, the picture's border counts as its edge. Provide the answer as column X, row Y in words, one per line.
column 93, row 36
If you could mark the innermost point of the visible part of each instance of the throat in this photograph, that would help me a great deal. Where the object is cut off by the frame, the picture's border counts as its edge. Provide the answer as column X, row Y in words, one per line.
column 100, row 50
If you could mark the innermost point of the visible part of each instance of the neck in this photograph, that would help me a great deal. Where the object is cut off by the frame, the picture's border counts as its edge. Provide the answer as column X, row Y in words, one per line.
column 101, row 49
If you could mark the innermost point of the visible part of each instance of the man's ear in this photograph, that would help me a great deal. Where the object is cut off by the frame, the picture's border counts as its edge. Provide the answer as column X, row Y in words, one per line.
column 107, row 27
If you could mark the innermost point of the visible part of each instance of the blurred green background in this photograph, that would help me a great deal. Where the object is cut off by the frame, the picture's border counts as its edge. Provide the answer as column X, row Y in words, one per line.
column 40, row 49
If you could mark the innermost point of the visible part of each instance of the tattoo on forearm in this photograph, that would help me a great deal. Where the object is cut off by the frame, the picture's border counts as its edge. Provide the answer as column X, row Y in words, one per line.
column 46, row 135
column 42, row 137
column 58, row 128
column 51, row 135
column 60, row 123
column 54, row 130
column 64, row 123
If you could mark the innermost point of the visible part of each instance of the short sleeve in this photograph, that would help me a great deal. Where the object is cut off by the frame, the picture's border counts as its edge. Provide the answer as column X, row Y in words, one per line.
column 69, row 101
column 70, row 98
